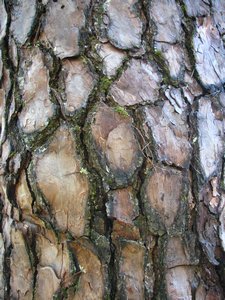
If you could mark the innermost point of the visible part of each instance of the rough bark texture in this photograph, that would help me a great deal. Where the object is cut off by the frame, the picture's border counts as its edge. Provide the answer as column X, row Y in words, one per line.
column 112, row 176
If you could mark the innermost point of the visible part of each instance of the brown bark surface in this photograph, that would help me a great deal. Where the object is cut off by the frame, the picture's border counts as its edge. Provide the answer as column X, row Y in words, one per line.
column 112, row 182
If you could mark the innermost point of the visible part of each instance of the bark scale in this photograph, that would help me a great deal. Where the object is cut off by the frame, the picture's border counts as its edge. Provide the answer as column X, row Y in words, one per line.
column 112, row 149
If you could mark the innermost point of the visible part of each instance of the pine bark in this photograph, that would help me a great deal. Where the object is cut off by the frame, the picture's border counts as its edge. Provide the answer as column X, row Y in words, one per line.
column 112, row 176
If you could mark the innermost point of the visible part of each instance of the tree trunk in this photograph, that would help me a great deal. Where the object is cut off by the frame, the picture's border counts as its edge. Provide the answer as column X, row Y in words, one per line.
column 112, row 149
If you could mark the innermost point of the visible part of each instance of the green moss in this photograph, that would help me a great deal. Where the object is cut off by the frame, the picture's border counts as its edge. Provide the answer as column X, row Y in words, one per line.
column 121, row 110
column 99, row 14
column 84, row 59
column 84, row 171
column 222, row 184
column 104, row 84
column 158, row 54
column 37, row 139
column 38, row 44
column 122, row 68
column 183, row 8
column 62, row 294
column 29, row 45
column 159, row 58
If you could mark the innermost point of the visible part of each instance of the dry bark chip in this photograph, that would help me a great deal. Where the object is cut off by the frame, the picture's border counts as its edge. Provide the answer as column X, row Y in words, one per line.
column 34, row 86
column 169, row 131
column 209, row 53
column 53, row 254
column 222, row 227
column 125, row 24
column 63, row 22
column 86, row 214
column 207, row 226
column 196, row 8
column 91, row 282
column 191, row 89
column 3, row 20
column 218, row 10
column 21, row 269
column 60, row 180
column 176, row 253
column 122, row 205
column 210, row 138
column 165, row 21
column 130, row 264
column 179, row 282
column 53, row 269
column 115, row 146
column 166, row 15
column 79, row 82
column 23, row 195
column 174, row 56
column 22, row 18
column 163, row 193
column 138, row 84
column 47, row 284
column 112, row 58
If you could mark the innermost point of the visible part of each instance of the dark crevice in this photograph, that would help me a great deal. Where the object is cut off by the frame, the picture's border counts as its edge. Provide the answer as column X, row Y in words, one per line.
column 112, row 268
column 6, row 271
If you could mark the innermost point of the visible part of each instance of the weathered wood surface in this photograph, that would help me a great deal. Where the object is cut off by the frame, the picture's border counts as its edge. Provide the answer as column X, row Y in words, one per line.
column 112, row 177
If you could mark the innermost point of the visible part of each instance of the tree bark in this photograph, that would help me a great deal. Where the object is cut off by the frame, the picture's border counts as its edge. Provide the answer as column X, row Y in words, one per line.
column 112, row 176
